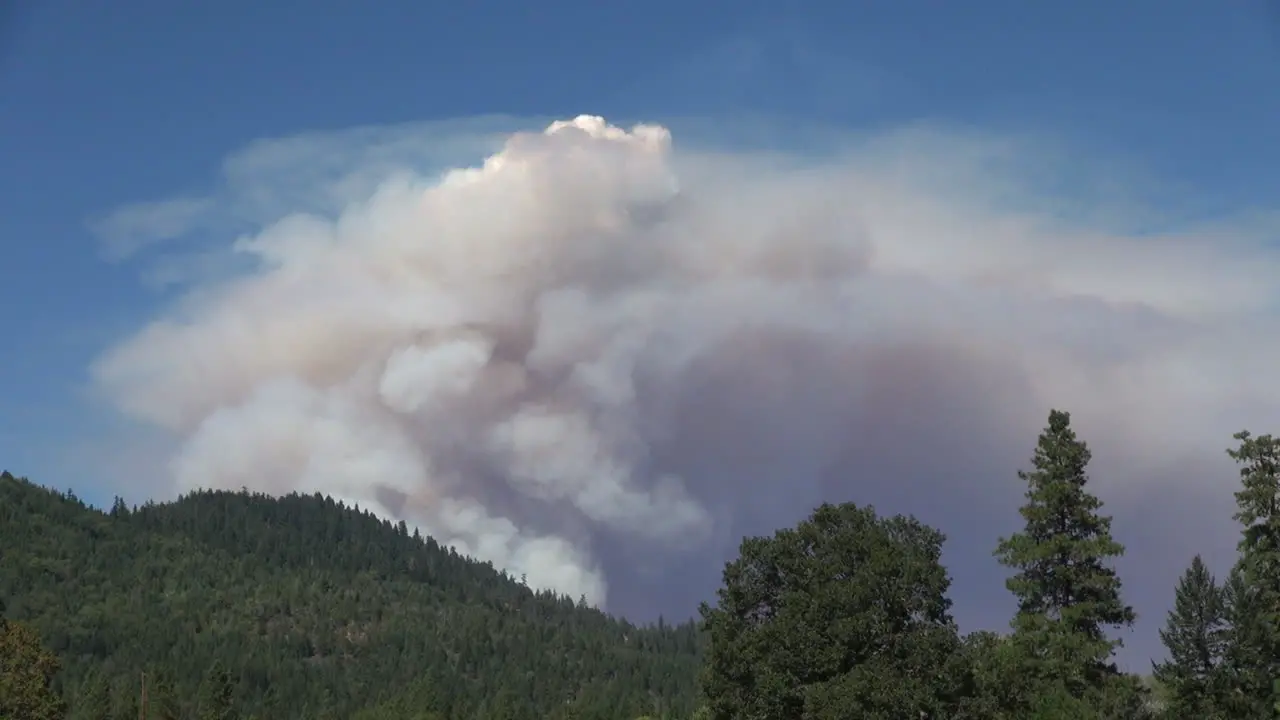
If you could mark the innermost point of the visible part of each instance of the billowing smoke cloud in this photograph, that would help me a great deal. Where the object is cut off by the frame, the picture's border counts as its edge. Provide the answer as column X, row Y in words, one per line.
column 598, row 361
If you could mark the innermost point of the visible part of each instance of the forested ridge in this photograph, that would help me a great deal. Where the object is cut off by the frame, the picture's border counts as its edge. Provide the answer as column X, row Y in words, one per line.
column 236, row 605
column 315, row 610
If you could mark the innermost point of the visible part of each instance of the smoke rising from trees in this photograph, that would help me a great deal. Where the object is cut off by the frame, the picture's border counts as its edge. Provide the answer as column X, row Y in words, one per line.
column 599, row 355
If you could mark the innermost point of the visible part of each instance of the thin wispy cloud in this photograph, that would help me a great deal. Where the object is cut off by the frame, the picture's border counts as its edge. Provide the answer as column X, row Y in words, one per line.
column 601, row 356
column 132, row 228
column 316, row 172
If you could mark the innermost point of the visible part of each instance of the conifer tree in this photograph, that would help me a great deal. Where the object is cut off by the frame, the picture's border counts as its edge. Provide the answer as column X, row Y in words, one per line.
column 1254, row 590
column 217, row 698
column 1244, row 692
column 1195, row 636
column 93, row 702
column 126, row 704
column 1067, row 592
column 163, row 699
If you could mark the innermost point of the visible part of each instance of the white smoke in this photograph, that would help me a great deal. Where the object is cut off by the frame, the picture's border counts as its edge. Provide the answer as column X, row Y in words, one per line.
column 593, row 337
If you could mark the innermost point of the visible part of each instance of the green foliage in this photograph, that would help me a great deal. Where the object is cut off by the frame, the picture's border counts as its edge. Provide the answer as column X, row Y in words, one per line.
column 312, row 608
column 125, row 705
column 1067, row 592
column 844, row 616
column 163, row 701
column 1253, row 588
column 93, row 702
column 237, row 605
column 1195, row 635
column 27, row 672
column 217, row 695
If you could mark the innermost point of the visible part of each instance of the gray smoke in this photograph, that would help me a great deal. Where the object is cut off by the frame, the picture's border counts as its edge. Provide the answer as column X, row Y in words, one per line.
column 597, row 361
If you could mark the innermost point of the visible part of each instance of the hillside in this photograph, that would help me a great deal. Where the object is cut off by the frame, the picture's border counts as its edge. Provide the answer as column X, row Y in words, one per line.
column 314, row 610
column 235, row 606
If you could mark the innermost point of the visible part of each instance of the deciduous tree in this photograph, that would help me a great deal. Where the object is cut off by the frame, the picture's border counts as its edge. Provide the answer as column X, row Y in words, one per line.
column 844, row 616
column 27, row 671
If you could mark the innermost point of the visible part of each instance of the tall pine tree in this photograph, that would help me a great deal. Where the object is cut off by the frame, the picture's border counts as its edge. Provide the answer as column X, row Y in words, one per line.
column 1067, row 592
column 1254, row 597
column 217, row 697
column 1246, row 695
column 93, row 701
column 163, row 698
column 126, row 704
column 1195, row 635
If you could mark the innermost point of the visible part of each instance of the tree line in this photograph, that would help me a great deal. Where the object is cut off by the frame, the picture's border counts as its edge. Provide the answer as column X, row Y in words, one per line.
column 302, row 607
column 847, row 615
column 237, row 605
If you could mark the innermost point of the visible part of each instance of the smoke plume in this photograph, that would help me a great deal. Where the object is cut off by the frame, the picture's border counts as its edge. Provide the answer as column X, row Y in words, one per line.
column 598, row 360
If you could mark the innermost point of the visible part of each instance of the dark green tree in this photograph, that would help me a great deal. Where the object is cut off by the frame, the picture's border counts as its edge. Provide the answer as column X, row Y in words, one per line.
column 844, row 616
column 303, row 597
column 991, row 670
column 1241, row 698
column 1067, row 591
column 93, row 701
column 217, row 694
column 1253, row 589
column 1195, row 635
column 162, row 698
column 126, row 704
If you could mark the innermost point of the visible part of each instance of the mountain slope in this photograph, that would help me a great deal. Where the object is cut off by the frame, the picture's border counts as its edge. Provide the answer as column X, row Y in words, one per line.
column 316, row 609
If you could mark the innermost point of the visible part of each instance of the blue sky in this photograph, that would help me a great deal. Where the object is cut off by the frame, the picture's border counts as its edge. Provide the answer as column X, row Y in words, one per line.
column 104, row 106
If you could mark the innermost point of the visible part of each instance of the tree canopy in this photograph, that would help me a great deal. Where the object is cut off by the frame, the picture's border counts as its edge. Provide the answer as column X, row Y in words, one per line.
column 27, row 671
column 310, row 607
column 1068, row 593
column 1195, row 634
column 226, row 605
column 846, row 613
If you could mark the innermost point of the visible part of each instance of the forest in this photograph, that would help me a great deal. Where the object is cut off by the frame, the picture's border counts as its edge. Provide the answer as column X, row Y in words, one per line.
column 225, row 605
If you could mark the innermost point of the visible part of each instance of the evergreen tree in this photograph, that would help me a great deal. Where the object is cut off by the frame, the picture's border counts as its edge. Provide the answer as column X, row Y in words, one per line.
column 272, row 704
column 217, row 697
column 126, row 705
column 93, row 701
column 1067, row 592
column 262, row 584
column 1254, row 596
column 1195, row 636
column 162, row 698
column 1245, row 690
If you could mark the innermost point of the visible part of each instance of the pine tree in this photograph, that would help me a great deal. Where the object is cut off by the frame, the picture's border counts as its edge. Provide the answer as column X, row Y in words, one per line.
column 125, row 706
column 217, row 698
column 1245, row 694
column 162, row 699
column 1066, row 591
column 93, row 702
column 1254, row 607
column 1195, row 635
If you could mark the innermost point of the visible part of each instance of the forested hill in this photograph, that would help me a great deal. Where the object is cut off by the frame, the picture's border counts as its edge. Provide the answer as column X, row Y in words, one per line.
column 300, row 607
column 235, row 606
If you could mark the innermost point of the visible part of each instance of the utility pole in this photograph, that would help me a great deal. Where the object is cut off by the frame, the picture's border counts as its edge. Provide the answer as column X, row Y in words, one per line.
column 142, row 706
